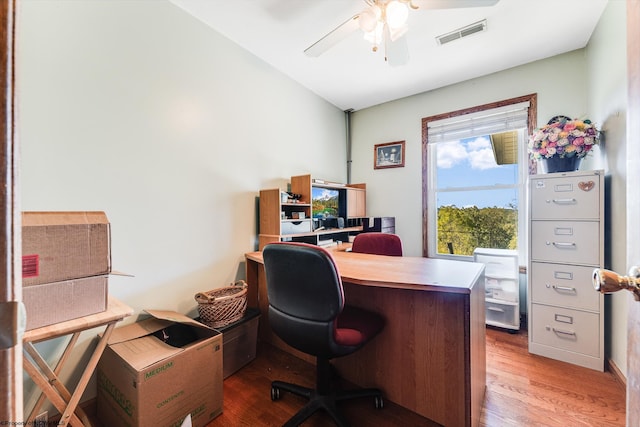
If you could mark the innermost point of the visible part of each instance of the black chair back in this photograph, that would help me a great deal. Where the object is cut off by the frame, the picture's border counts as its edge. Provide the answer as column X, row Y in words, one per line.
column 305, row 296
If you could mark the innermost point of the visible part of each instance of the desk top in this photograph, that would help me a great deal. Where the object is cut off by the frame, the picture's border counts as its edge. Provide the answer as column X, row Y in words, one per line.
column 416, row 273
column 116, row 311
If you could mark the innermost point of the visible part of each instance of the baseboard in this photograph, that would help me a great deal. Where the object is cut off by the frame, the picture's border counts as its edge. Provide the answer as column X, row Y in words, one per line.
column 617, row 373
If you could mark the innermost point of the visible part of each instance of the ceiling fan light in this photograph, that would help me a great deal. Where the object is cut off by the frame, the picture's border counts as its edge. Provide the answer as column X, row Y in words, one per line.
column 375, row 37
column 369, row 18
column 397, row 14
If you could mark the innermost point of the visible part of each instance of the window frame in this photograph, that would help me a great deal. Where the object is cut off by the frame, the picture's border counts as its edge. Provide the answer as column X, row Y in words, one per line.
column 531, row 125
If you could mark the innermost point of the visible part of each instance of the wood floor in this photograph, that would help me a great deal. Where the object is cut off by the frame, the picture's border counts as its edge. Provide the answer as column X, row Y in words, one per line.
column 523, row 390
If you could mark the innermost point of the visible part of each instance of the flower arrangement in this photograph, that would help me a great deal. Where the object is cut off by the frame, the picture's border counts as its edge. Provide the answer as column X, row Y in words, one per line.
column 563, row 137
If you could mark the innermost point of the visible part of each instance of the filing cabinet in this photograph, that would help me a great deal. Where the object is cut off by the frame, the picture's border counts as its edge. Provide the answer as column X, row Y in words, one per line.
column 566, row 243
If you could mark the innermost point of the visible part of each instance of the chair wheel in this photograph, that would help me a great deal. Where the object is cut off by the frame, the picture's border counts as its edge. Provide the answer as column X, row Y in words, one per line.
column 379, row 402
column 275, row 393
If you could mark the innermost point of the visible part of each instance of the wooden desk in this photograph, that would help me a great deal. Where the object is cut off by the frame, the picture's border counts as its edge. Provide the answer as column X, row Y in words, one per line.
column 430, row 357
column 47, row 379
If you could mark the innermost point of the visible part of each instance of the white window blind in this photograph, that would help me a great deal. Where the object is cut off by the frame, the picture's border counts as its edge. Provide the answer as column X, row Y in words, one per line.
column 486, row 122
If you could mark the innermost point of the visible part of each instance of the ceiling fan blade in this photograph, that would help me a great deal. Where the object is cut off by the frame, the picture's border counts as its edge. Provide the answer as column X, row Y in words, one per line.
column 333, row 37
column 396, row 52
column 451, row 4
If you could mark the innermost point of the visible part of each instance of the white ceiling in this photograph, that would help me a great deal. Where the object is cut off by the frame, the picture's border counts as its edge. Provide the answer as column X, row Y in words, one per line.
column 351, row 76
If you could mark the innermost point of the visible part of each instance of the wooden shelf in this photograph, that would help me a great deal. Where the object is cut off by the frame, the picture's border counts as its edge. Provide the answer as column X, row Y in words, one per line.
column 302, row 205
column 272, row 208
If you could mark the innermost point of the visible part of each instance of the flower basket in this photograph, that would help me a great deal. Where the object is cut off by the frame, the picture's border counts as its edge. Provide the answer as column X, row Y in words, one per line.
column 562, row 143
column 223, row 306
column 560, row 164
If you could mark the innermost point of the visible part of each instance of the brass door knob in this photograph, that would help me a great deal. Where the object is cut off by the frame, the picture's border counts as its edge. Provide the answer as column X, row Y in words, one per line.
column 607, row 281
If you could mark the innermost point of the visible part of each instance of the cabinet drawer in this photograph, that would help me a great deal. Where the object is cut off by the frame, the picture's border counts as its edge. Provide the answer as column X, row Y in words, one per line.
column 505, row 315
column 574, row 197
column 573, row 242
column 565, row 285
column 295, row 227
column 570, row 330
column 502, row 289
column 499, row 266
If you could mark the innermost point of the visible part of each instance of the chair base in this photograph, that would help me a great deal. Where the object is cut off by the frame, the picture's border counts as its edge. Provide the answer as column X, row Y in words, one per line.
column 324, row 401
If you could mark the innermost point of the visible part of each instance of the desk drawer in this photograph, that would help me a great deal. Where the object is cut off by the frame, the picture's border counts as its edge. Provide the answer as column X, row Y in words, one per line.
column 295, row 227
column 570, row 330
column 565, row 285
column 572, row 242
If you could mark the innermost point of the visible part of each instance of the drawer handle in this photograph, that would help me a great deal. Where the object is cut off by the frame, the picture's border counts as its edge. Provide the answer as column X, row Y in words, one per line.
column 563, row 245
column 564, row 201
column 562, row 288
column 499, row 310
column 563, row 332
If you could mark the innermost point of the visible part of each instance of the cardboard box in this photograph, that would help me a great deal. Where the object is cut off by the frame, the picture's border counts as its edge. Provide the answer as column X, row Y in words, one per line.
column 58, row 246
column 159, row 370
column 57, row 302
column 239, row 341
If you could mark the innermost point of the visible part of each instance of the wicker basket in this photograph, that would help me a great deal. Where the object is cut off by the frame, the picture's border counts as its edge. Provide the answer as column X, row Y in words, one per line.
column 223, row 306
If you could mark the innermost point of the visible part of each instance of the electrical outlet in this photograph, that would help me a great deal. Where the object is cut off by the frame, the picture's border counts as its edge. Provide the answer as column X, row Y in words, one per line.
column 42, row 420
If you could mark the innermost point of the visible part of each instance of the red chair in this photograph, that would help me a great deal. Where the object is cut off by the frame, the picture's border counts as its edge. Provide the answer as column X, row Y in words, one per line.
column 307, row 310
column 377, row 244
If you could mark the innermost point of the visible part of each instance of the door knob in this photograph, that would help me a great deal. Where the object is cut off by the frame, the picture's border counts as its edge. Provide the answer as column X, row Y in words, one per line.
column 607, row 281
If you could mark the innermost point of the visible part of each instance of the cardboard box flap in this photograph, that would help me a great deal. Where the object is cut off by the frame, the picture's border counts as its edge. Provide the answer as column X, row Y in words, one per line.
column 161, row 319
column 120, row 273
column 137, row 330
column 33, row 219
column 172, row 316
column 145, row 351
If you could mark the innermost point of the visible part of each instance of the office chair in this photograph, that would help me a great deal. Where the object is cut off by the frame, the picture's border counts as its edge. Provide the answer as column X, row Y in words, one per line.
column 307, row 311
column 377, row 244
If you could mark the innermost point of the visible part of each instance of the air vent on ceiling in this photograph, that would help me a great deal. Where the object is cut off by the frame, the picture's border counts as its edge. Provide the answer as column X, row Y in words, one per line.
column 462, row 32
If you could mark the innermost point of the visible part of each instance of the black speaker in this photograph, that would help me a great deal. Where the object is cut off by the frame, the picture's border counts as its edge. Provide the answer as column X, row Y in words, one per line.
column 340, row 222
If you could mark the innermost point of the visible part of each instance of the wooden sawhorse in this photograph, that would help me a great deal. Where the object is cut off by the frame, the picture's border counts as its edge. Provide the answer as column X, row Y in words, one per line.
column 47, row 379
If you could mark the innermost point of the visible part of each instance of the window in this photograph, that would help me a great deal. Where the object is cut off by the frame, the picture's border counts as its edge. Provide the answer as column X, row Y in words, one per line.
column 475, row 169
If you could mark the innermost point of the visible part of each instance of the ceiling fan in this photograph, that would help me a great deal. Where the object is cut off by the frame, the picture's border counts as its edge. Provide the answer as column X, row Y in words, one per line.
column 385, row 21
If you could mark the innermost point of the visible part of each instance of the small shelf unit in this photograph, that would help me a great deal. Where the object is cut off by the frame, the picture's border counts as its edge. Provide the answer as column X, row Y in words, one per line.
column 502, row 286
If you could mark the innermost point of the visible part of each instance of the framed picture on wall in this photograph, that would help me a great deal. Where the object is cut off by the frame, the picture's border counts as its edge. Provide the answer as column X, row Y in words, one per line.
column 388, row 155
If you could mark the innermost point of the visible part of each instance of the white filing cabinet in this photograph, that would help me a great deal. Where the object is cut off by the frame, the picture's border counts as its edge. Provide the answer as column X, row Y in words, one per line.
column 566, row 314
column 502, row 286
